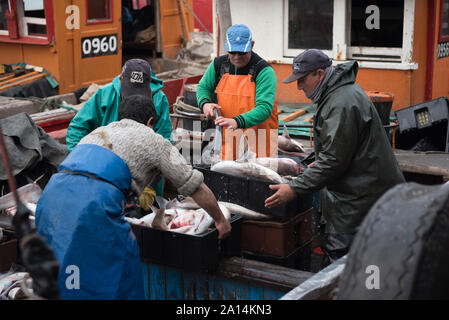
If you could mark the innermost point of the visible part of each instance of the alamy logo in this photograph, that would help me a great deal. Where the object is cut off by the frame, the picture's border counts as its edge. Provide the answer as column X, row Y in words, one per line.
column 136, row 76
column 373, row 280
column 73, row 279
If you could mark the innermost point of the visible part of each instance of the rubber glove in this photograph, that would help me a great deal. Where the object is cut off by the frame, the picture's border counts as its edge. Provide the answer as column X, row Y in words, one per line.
column 147, row 197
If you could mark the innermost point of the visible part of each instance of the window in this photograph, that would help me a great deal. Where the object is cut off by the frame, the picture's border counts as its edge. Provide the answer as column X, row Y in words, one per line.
column 367, row 30
column 4, row 6
column 444, row 24
column 26, row 21
column 310, row 24
column 98, row 11
column 33, row 21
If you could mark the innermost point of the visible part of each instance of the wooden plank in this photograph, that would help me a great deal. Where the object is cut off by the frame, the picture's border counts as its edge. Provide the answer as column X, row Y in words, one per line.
column 269, row 294
column 255, row 293
column 157, row 282
column 145, row 279
column 202, row 286
column 190, row 286
column 432, row 163
column 215, row 288
column 293, row 115
column 174, row 283
column 229, row 289
column 241, row 291
column 261, row 274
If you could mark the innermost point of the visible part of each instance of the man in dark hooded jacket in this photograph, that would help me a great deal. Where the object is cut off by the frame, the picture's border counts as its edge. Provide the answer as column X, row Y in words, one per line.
column 354, row 163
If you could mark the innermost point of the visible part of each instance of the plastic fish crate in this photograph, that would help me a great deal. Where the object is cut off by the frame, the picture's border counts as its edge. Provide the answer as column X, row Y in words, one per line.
column 299, row 259
column 277, row 238
column 251, row 193
column 188, row 252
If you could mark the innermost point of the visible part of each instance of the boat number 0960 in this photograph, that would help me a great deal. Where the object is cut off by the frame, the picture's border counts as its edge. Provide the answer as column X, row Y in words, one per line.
column 99, row 45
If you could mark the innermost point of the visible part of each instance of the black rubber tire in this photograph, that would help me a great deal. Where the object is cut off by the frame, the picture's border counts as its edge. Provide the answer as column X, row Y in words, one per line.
column 406, row 235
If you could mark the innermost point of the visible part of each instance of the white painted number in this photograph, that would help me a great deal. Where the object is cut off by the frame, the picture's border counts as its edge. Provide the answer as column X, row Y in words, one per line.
column 98, row 46
column 112, row 43
column 87, row 47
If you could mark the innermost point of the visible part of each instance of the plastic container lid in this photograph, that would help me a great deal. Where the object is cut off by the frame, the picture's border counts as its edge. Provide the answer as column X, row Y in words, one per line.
column 377, row 96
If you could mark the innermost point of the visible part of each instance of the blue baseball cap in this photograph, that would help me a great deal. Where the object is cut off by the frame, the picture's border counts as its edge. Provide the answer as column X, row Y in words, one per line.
column 238, row 39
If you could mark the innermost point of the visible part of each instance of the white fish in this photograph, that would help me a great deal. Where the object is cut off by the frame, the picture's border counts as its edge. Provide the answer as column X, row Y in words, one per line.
column 247, row 169
column 283, row 166
column 29, row 193
column 286, row 143
column 7, row 280
column 179, row 220
column 31, row 206
column 247, row 213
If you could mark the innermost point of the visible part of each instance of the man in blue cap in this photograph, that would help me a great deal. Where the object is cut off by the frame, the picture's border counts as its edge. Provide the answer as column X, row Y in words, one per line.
column 354, row 162
column 246, row 90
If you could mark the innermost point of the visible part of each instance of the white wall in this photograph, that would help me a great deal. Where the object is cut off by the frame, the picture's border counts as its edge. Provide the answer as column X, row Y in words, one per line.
column 265, row 20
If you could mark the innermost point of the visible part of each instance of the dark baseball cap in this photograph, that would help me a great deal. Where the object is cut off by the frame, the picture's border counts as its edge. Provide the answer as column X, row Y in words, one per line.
column 306, row 62
column 136, row 78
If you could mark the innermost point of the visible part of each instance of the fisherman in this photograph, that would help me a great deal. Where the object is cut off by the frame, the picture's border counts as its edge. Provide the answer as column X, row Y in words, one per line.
column 354, row 163
column 81, row 210
column 102, row 109
column 246, row 89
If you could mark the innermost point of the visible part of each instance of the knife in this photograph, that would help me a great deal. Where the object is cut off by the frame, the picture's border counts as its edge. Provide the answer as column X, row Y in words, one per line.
column 216, row 157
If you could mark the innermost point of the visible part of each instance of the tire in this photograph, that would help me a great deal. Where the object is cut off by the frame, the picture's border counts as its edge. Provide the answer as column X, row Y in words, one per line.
column 406, row 236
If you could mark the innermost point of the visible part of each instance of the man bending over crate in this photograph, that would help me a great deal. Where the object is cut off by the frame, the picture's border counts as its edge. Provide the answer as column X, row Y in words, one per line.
column 81, row 210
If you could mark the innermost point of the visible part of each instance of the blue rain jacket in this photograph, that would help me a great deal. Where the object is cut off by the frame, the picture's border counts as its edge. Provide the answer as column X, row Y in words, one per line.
column 83, row 221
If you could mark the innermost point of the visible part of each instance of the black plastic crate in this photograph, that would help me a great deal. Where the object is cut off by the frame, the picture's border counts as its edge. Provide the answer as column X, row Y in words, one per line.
column 423, row 115
column 251, row 193
column 299, row 259
column 188, row 252
column 424, row 127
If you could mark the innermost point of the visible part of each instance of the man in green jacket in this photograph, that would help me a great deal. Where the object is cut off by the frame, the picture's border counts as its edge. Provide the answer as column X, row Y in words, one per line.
column 354, row 163
column 102, row 108
column 245, row 85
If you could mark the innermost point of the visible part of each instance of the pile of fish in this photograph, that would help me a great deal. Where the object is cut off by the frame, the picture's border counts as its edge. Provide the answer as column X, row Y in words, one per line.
column 173, row 216
column 187, row 217
column 12, row 285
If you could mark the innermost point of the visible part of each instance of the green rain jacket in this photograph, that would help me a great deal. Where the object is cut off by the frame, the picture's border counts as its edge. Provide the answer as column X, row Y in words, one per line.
column 355, row 163
column 102, row 109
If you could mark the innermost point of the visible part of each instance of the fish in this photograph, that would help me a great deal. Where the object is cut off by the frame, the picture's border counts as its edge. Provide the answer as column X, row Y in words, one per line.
column 8, row 280
column 299, row 155
column 286, row 143
column 31, row 206
column 247, row 213
column 283, row 166
column 181, row 220
column 29, row 195
column 249, row 169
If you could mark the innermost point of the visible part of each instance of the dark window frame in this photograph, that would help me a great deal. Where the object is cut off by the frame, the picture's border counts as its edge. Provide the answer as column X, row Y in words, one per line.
column 110, row 10
column 441, row 37
column 41, row 39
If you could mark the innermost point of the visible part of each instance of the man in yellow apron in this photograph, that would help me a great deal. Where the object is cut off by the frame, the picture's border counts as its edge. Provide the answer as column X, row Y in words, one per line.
column 246, row 88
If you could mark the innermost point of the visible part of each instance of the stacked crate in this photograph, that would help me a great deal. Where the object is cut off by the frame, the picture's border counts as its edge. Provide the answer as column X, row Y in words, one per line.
column 283, row 240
